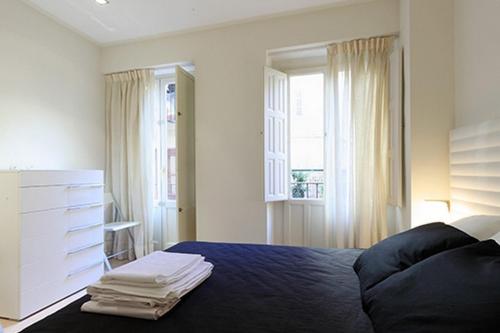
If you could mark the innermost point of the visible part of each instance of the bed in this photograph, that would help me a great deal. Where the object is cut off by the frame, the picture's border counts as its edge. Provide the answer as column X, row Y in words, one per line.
column 253, row 288
column 433, row 278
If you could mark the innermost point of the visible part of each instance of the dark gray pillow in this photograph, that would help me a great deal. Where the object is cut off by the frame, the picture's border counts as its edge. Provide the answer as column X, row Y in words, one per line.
column 454, row 291
column 398, row 252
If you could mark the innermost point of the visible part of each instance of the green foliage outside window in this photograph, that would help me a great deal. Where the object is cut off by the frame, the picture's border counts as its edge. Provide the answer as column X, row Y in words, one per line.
column 298, row 185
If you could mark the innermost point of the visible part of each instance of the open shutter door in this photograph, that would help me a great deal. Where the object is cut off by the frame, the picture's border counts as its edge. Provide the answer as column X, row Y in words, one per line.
column 275, row 135
column 186, row 199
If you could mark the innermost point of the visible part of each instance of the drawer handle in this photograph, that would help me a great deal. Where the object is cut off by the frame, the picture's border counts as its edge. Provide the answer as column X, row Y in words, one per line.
column 85, row 186
column 83, row 227
column 83, row 248
column 71, row 209
column 83, row 269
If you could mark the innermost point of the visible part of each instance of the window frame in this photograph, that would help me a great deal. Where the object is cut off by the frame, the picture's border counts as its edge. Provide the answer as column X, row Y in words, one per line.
column 161, row 82
column 303, row 72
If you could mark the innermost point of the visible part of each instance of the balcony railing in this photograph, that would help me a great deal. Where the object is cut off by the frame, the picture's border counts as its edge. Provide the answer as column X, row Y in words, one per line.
column 307, row 190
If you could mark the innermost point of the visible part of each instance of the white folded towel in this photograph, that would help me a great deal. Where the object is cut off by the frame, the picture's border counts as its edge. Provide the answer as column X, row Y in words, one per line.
column 134, row 301
column 189, row 272
column 149, row 287
column 150, row 313
column 174, row 290
column 157, row 269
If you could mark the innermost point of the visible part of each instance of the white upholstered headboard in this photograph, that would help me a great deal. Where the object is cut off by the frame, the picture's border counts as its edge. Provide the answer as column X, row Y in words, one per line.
column 475, row 169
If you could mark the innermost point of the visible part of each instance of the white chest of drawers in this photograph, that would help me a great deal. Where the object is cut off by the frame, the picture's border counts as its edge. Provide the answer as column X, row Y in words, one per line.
column 51, row 237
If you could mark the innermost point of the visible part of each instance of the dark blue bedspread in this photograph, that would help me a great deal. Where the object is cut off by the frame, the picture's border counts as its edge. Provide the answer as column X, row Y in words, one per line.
column 253, row 288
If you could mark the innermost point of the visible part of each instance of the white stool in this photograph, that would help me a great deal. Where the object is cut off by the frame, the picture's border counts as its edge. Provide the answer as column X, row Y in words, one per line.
column 118, row 226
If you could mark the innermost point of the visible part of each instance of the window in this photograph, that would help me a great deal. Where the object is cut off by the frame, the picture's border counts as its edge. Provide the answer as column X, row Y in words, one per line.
column 293, row 135
column 307, row 136
column 165, row 142
column 294, row 114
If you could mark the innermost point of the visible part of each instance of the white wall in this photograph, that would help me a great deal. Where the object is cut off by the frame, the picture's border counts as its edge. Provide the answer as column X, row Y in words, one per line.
column 51, row 94
column 229, row 102
column 477, row 54
column 428, row 38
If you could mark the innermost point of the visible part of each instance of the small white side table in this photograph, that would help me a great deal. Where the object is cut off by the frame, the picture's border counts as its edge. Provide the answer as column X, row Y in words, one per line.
column 118, row 226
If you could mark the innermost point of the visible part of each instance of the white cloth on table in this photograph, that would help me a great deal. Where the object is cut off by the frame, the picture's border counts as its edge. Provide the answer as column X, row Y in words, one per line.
column 156, row 269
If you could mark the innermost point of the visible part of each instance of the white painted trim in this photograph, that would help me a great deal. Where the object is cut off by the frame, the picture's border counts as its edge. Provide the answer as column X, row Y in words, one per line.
column 310, row 226
column 306, row 201
column 168, row 71
column 306, row 71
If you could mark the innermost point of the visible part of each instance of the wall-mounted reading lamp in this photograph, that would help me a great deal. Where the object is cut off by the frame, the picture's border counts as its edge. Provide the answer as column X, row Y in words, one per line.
column 437, row 211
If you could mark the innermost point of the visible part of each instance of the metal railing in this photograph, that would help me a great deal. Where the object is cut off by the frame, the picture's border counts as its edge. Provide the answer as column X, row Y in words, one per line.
column 307, row 190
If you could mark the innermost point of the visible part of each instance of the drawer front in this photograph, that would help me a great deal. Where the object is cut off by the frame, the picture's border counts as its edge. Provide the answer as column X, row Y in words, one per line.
column 47, row 233
column 33, row 199
column 44, row 295
column 60, row 177
column 37, row 250
column 65, row 220
column 77, row 263
column 61, row 267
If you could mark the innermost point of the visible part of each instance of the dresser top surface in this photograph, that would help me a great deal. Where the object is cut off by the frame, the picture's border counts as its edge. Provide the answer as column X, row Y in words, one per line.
column 42, row 170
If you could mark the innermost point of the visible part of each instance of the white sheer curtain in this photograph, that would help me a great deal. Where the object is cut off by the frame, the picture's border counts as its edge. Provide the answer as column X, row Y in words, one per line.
column 357, row 144
column 129, row 112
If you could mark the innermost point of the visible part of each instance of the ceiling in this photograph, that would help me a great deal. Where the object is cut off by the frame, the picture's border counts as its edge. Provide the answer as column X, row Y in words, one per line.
column 122, row 20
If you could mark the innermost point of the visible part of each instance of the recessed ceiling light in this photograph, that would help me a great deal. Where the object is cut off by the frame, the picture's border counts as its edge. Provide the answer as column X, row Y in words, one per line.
column 102, row 2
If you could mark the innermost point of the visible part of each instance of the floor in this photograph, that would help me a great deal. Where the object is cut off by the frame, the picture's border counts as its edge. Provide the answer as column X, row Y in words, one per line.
column 10, row 326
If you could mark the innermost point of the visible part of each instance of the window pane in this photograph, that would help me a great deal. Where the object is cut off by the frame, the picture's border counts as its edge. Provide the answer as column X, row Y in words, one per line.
column 307, row 135
column 157, row 148
column 164, row 142
column 171, row 117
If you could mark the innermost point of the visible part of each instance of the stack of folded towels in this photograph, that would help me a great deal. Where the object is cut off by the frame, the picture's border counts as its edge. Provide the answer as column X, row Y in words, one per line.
column 148, row 287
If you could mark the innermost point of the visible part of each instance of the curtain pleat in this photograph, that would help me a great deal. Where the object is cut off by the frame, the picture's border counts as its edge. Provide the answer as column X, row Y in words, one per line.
column 128, row 154
column 357, row 142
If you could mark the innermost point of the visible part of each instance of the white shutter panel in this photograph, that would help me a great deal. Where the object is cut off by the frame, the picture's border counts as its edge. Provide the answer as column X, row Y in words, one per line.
column 185, row 158
column 276, row 135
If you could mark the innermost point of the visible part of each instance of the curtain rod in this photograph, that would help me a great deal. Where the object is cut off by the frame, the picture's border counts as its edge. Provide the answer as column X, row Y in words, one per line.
column 323, row 45
column 129, row 70
column 396, row 35
column 158, row 67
